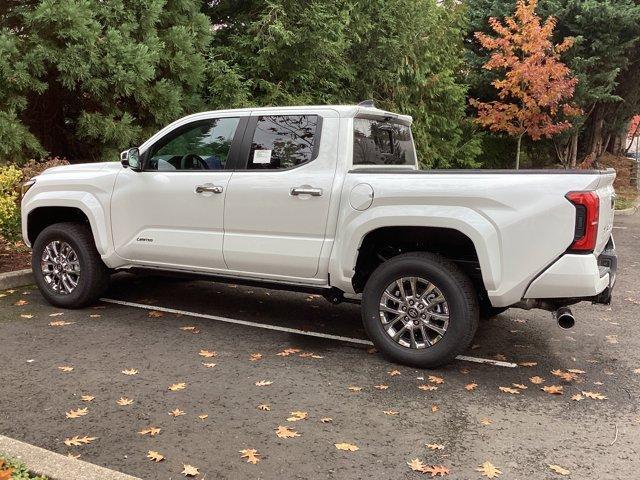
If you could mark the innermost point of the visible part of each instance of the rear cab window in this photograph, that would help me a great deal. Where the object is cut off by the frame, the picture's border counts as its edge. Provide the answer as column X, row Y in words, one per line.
column 382, row 143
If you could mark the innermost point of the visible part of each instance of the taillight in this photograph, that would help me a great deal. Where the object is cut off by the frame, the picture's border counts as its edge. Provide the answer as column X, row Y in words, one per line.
column 587, row 212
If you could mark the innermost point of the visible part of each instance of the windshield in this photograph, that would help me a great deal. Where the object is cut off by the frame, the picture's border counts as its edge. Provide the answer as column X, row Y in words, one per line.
column 377, row 142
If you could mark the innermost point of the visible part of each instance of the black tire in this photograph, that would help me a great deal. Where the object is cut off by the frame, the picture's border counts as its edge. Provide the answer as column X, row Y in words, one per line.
column 460, row 296
column 94, row 275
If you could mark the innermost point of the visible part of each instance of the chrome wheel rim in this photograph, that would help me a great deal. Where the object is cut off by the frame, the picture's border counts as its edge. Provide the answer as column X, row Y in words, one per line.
column 60, row 267
column 414, row 312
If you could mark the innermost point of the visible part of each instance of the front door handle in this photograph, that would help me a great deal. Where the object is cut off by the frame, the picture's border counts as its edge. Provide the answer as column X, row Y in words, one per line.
column 210, row 188
column 314, row 192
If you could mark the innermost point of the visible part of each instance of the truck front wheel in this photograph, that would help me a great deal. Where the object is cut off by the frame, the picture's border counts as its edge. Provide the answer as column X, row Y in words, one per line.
column 67, row 267
column 420, row 309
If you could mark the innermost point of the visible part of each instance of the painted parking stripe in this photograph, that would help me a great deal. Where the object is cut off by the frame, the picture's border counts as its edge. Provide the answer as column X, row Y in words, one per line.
column 285, row 329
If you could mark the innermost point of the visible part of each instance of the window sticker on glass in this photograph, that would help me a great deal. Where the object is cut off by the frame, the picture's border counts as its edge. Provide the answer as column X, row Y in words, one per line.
column 262, row 156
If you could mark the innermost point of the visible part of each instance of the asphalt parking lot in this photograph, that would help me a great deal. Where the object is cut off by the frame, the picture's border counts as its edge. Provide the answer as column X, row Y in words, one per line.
column 519, row 430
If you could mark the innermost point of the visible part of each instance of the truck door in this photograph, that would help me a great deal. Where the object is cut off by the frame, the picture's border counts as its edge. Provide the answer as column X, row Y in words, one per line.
column 278, row 197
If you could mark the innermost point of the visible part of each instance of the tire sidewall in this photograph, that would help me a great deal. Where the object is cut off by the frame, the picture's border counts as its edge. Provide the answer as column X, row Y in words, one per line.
column 57, row 232
column 461, row 323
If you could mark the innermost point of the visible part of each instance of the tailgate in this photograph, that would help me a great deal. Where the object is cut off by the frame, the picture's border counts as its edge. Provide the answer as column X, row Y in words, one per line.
column 607, row 200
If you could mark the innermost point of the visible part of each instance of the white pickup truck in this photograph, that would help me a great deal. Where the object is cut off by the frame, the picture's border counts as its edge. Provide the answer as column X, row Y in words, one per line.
column 328, row 199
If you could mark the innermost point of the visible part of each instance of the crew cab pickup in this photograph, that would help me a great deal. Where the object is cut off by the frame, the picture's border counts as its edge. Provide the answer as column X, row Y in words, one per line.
column 328, row 199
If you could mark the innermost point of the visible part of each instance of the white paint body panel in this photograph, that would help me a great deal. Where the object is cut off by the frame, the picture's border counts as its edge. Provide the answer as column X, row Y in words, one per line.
column 520, row 223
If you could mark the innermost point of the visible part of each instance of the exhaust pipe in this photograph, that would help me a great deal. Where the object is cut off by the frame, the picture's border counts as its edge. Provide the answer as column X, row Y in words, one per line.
column 564, row 317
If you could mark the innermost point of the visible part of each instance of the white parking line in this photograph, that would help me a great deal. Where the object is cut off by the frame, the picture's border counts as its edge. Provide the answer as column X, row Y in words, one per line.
column 246, row 323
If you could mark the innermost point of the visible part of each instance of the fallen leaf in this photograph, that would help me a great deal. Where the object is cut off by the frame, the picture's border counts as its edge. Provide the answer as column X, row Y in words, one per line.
column 500, row 357
column 26, row 315
column 434, row 408
column 528, row 364
column 288, row 351
column 60, row 323
column 464, row 371
column 636, row 370
column 177, row 386
column 207, row 354
column 263, row 383
column 65, row 369
column 594, row 395
column 80, row 412
column 559, row 470
column 326, row 419
column 254, row 357
column 416, row 465
column 208, row 365
column 155, row 314
column 155, row 456
column 95, row 315
column 470, row 386
column 87, row 398
column 536, row 380
column 295, row 416
column 394, row 373
column 437, row 470
column 264, row 407
column 390, row 412
column 485, row 421
column 566, row 376
column 488, row 470
column 176, row 412
column 57, row 314
column 575, row 370
column 21, row 303
column 435, row 446
column 577, row 397
column 286, row 432
column 71, row 455
column 520, row 386
column 190, row 471
column 510, row 390
column 251, row 455
column 151, row 431
column 130, row 371
column 355, row 389
column 381, row 387
column 427, row 388
column 349, row 447
column 124, row 401
column 553, row 389
column 188, row 328
column 77, row 441
column 612, row 338
column 437, row 380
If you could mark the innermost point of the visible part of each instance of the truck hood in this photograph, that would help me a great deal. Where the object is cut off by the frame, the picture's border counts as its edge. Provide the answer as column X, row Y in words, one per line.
column 84, row 168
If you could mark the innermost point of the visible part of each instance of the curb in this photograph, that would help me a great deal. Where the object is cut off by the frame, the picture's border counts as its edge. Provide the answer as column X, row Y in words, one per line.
column 19, row 278
column 628, row 211
column 55, row 466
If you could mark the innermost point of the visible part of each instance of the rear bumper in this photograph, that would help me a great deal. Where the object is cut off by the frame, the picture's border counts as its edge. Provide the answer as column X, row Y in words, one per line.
column 579, row 277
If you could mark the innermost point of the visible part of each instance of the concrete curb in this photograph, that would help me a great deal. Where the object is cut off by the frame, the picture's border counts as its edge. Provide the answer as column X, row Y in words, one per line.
column 628, row 211
column 19, row 278
column 55, row 466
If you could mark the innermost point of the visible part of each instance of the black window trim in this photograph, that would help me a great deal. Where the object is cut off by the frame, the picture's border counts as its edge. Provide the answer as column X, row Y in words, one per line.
column 234, row 148
column 242, row 160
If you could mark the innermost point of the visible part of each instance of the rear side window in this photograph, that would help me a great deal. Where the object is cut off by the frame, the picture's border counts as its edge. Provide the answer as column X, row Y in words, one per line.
column 382, row 143
column 283, row 141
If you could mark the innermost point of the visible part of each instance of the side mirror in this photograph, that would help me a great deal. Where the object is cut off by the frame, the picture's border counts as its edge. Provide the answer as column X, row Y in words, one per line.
column 131, row 158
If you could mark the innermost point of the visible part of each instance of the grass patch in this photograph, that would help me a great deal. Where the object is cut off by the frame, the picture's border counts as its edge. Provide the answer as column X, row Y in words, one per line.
column 624, row 202
column 19, row 470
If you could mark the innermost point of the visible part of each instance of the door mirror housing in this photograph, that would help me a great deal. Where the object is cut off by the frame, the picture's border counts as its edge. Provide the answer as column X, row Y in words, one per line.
column 131, row 158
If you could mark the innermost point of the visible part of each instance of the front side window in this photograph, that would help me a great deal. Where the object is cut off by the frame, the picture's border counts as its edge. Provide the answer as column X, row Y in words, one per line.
column 382, row 143
column 202, row 145
column 282, row 141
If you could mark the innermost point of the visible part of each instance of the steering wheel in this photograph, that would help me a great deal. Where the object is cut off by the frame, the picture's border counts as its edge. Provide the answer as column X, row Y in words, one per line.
column 190, row 160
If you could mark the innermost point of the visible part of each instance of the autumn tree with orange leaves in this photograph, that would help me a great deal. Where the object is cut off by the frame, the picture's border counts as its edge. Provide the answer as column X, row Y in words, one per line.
column 535, row 87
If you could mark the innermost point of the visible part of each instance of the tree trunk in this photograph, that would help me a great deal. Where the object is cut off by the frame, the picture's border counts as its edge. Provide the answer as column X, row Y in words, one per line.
column 518, row 152
column 573, row 156
column 596, row 134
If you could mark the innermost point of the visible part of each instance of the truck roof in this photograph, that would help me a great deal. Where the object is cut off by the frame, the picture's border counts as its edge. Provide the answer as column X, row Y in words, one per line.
column 343, row 111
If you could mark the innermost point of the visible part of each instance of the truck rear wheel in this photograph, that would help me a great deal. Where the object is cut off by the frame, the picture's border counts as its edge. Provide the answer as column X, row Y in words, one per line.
column 67, row 267
column 419, row 309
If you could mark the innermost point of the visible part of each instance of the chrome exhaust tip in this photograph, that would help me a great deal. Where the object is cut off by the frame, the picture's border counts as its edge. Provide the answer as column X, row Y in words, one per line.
column 564, row 317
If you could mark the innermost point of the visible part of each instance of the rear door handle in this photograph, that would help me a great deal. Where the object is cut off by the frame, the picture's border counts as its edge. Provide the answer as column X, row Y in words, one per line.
column 209, row 187
column 314, row 192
